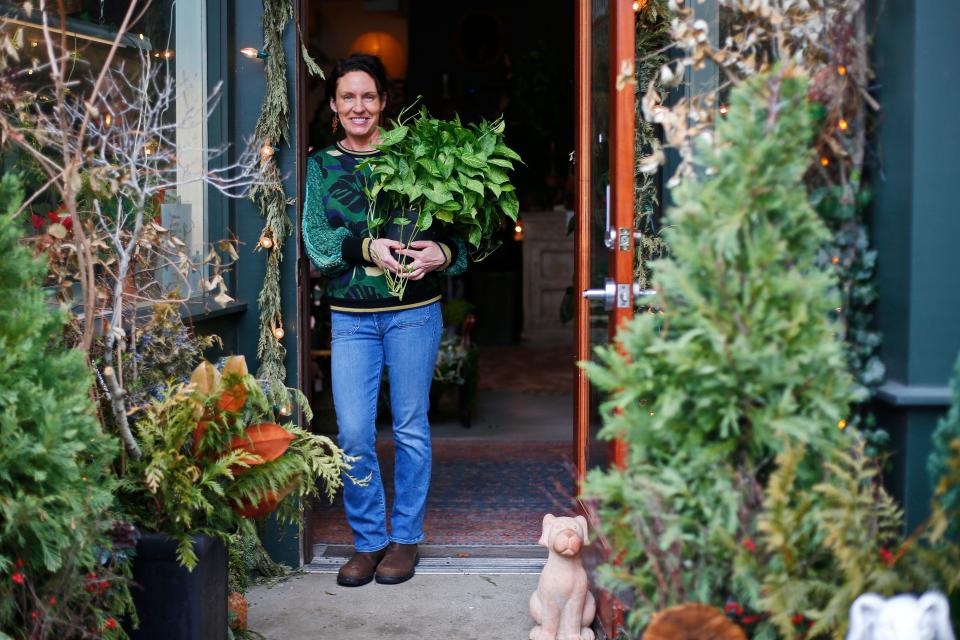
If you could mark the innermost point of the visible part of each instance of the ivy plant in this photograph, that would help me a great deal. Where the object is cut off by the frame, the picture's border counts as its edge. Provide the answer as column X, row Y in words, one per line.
column 448, row 173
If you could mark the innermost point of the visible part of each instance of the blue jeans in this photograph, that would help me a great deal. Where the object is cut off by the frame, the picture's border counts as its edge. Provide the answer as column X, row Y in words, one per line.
column 406, row 342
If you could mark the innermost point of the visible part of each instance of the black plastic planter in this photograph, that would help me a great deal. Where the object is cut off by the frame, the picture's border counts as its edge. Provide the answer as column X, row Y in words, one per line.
column 176, row 604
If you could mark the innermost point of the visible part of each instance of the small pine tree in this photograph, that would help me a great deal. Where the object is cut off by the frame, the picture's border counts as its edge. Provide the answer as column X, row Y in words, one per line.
column 55, row 481
column 741, row 360
column 943, row 465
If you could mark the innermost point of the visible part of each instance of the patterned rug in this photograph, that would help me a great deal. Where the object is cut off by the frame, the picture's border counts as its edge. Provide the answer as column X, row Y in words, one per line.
column 482, row 492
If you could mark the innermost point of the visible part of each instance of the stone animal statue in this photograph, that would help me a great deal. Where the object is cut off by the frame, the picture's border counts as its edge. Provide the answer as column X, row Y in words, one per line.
column 903, row 617
column 562, row 606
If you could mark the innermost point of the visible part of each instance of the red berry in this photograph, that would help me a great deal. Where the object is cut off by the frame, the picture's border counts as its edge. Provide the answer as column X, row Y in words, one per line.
column 18, row 564
column 750, row 619
column 110, row 623
column 53, row 600
column 37, row 221
column 749, row 545
column 797, row 619
column 18, row 578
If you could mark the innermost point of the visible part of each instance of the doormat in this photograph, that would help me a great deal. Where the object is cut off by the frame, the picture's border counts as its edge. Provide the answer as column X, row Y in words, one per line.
column 482, row 492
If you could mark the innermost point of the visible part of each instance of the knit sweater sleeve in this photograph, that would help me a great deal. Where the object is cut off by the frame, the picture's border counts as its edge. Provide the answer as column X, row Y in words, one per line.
column 459, row 263
column 324, row 244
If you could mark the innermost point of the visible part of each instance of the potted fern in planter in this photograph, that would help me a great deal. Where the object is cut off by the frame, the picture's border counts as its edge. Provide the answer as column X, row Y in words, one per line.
column 214, row 458
column 442, row 176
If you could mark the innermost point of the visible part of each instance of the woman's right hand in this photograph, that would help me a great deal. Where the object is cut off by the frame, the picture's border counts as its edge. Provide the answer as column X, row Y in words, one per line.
column 380, row 252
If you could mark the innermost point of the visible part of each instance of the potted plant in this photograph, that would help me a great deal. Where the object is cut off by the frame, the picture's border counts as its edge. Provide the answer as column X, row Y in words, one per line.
column 214, row 458
column 440, row 174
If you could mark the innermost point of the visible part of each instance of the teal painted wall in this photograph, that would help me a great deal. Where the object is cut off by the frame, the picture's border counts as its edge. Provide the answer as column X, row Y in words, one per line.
column 915, row 224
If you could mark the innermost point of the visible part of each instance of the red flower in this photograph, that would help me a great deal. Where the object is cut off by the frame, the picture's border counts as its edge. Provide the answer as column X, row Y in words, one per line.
column 730, row 607
column 797, row 619
column 67, row 222
column 749, row 619
column 18, row 564
column 34, row 614
column 887, row 557
column 37, row 221
column 18, row 578
column 749, row 545
column 110, row 623
column 53, row 216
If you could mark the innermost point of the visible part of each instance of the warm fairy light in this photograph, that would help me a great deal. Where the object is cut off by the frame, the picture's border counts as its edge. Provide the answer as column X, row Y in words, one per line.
column 723, row 109
column 636, row 5
column 141, row 36
column 266, row 242
column 842, row 70
column 843, row 124
column 835, row 260
column 108, row 119
column 518, row 229
column 842, row 424
column 168, row 54
column 651, row 413
column 825, row 161
column 286, row 410
column 34, row 44
column 267, row 150
column 278, row 333
column 253, row 52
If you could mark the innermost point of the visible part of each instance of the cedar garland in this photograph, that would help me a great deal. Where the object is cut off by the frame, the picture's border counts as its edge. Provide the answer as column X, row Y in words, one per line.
column 272, row 128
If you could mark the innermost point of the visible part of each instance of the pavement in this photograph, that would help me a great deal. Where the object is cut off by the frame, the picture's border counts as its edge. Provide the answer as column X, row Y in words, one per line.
column 428, row 607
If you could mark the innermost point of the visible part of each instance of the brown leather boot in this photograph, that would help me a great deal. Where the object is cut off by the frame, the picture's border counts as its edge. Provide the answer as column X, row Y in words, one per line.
column 399, row 563
column 359, row 569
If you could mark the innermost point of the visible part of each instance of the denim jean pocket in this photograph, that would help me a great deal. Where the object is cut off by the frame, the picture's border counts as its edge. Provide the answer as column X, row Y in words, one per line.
column 343, row 324
column 413, row 318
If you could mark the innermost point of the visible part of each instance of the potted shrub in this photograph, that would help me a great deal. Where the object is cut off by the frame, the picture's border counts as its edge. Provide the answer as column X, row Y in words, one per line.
column 434, row 175
column 214, row 459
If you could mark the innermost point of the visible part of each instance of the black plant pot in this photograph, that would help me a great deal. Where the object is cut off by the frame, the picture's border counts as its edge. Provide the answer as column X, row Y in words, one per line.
column 404, row 232
column 176, row 604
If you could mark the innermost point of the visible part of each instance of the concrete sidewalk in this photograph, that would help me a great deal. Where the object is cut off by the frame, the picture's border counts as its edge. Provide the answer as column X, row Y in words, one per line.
column 428, row 607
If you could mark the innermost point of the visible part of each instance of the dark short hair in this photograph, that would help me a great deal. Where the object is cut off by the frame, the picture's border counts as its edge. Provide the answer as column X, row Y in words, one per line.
column 371, row 65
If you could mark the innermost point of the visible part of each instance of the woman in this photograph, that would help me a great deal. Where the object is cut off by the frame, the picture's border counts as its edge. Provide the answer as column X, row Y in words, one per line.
column 372, row 328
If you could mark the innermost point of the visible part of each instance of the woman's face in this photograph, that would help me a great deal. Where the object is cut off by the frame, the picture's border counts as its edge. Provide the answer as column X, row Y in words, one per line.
column 358, row 105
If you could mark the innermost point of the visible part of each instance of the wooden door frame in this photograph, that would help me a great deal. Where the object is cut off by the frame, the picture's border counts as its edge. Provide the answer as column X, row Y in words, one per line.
column 610, row 610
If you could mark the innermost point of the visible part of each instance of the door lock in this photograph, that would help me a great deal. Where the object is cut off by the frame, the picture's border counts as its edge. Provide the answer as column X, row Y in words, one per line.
column 617, row 294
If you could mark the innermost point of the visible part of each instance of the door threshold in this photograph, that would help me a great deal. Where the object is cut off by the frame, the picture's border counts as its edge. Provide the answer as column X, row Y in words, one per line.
column 448, row 559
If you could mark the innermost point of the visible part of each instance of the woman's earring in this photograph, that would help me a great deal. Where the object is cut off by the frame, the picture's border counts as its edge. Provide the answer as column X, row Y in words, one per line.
column 335, row 123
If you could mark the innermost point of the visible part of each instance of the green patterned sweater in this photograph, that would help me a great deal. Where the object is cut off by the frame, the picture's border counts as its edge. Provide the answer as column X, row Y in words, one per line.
column 336, row 238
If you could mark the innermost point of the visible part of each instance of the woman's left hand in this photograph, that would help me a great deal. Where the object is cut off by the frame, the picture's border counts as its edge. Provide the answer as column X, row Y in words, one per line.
column 423, row 256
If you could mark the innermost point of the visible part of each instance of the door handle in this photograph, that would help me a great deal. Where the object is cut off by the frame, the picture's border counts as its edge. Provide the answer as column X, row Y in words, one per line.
column 613, row 294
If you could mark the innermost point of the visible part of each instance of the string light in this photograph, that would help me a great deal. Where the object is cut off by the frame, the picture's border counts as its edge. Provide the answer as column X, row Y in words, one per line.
column 168, row 54
column 253, row 52
column 842, row 424
column 835, row 260
column 723, row 109
column 652, row 413
column 266, row 241
column 286, row 410
column 278, row 333
column 843, row 124
column 267, row 151
column 842, row 70
column 825, row 161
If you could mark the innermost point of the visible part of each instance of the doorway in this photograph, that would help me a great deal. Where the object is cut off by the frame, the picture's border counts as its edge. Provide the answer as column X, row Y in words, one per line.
column 502, row 439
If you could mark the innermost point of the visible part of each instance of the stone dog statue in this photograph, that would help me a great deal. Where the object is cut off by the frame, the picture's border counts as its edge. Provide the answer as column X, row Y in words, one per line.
column 903, row 617
column 562, row 606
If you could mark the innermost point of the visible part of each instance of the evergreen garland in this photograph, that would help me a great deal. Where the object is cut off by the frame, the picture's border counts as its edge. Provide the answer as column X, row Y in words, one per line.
column 272, row 128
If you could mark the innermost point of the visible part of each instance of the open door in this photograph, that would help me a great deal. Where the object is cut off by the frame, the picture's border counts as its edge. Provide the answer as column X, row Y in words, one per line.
column 604, row 155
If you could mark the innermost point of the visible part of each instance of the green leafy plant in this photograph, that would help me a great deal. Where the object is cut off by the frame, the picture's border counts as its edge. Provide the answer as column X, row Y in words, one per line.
column 198, row 473
column 55, row 481
column 446, row 173
column 742, row 361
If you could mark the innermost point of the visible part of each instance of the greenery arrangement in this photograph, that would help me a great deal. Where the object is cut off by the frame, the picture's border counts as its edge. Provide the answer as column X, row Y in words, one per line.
column 55, row 480
column 202, row 471
column 446, row 173
column 742, row 361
